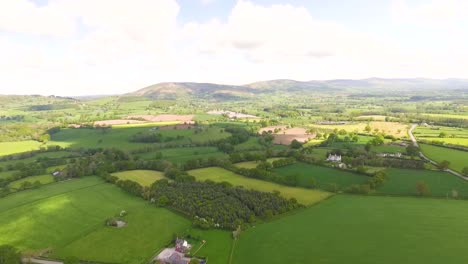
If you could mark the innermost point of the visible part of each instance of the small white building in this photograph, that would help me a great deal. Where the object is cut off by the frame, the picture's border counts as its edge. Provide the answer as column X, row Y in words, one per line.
column 334, row 158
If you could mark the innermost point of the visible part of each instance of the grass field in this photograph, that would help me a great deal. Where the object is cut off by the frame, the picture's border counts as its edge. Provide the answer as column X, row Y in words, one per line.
column 453, row 141
column 7, row 148
column 69, row 218
column 181, row 155
column 366, row 230
column 441, row 184
column 43, row 179
column 217, row 247
column 253, row 164
column 143, row 177
column 323, row 176
column 120, row 137
column 304, row 196
column 458, row 159
column 449, row 116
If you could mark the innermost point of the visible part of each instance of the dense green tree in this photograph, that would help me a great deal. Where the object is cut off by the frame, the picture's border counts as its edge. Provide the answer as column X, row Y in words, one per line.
column 9, row 255
column 465, row 171
column 443, row 165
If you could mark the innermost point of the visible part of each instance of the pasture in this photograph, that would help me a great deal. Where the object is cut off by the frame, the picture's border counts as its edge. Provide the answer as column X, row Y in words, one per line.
column 324, row 177
column 43, row 179
column 253, row 164
column 217, row 247
column 449, row 135
column 7, row 148
column 181, row 155
column 440, row 184
column 120, row 136
column 304, row 196
column 69, row 218
column 143, row 177
column 458, row 159
column 359, row 229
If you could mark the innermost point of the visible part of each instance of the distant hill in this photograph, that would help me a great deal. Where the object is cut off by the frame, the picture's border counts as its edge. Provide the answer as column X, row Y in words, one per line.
column 174, row 90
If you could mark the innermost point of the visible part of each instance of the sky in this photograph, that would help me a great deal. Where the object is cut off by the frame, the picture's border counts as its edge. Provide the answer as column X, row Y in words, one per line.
column 85, row 47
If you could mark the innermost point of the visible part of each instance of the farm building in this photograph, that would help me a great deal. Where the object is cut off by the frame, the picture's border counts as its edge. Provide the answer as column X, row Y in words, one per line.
column 182, row 245
column 170, row 256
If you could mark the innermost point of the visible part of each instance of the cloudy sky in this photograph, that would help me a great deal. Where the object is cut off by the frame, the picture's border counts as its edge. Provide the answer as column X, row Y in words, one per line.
column 78, row 47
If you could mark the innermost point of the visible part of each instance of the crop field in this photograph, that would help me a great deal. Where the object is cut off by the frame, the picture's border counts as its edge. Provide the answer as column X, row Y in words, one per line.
column 143, row 177
column 304, row 196
column 43, row 179
column 453, row 141
column 323, row 176
column 359, row 229
column 452, row 135
column 253, row 164
column 457, row 158
column 389, row 128
column 69, row 218
column 441, row 184
column 449, row 116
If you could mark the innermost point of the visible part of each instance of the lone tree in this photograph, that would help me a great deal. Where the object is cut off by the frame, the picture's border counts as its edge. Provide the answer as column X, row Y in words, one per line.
column 443, row 165
column 412, row 151
column 296, row 144
column 422, row 188
column 9, row 255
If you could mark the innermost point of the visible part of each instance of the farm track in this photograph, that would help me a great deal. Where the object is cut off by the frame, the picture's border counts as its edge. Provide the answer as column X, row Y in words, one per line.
column 415, row 143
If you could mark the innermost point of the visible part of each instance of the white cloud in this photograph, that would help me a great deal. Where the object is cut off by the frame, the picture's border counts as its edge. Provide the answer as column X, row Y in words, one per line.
column 435, row 12
column 23, row 16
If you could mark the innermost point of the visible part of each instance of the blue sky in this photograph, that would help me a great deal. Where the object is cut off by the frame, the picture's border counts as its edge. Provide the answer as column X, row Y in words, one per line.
column 76, row 47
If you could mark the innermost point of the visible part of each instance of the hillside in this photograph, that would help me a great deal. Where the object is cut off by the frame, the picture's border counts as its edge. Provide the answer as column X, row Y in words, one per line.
column 174, row 90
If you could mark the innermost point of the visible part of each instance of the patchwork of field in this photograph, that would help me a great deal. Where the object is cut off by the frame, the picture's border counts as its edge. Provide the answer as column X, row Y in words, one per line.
column 359, row 229
column 302, row 195
column 324, row 177
column 450, row 135
column 143, row 177
column 69, row 218
column 458, row 159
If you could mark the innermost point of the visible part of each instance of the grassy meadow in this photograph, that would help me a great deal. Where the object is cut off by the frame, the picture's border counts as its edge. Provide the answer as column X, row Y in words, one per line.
column 69, row 218
column 323, row 176
column 143, row 177
column 43, row 179
column 358, row 229
column 304, row 196
column 458, row 159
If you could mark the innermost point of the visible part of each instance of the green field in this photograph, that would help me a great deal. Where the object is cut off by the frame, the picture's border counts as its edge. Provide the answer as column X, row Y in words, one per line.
column 253, row 164
column 458, row 159
column 181, row 155
column 441, row 184
column 43, row 179
column 454, row 135
column 120, row 136
column 323, row 176
column 358, row 229
column 69, row 218
column 217, row 247
column 304, row 196
column 7, row 148
column 143, row 177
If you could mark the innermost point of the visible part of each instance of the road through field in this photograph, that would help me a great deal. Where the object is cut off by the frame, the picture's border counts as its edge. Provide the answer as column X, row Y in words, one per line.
column 415, row 143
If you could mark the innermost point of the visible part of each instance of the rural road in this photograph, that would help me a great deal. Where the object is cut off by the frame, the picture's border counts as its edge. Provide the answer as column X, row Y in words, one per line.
column 415, row 143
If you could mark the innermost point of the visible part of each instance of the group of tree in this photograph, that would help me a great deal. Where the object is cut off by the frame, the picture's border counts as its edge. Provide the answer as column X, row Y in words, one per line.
column 220, row 205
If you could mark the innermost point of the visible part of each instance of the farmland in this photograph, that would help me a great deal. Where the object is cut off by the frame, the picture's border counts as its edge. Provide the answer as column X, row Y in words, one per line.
column 449, row 135
column 43, row 179
column 143, row 177
column 304, row 196
column 77, row 210
column 457, row 158
column 252, row 164
column 324, row 177
column 356, row 229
